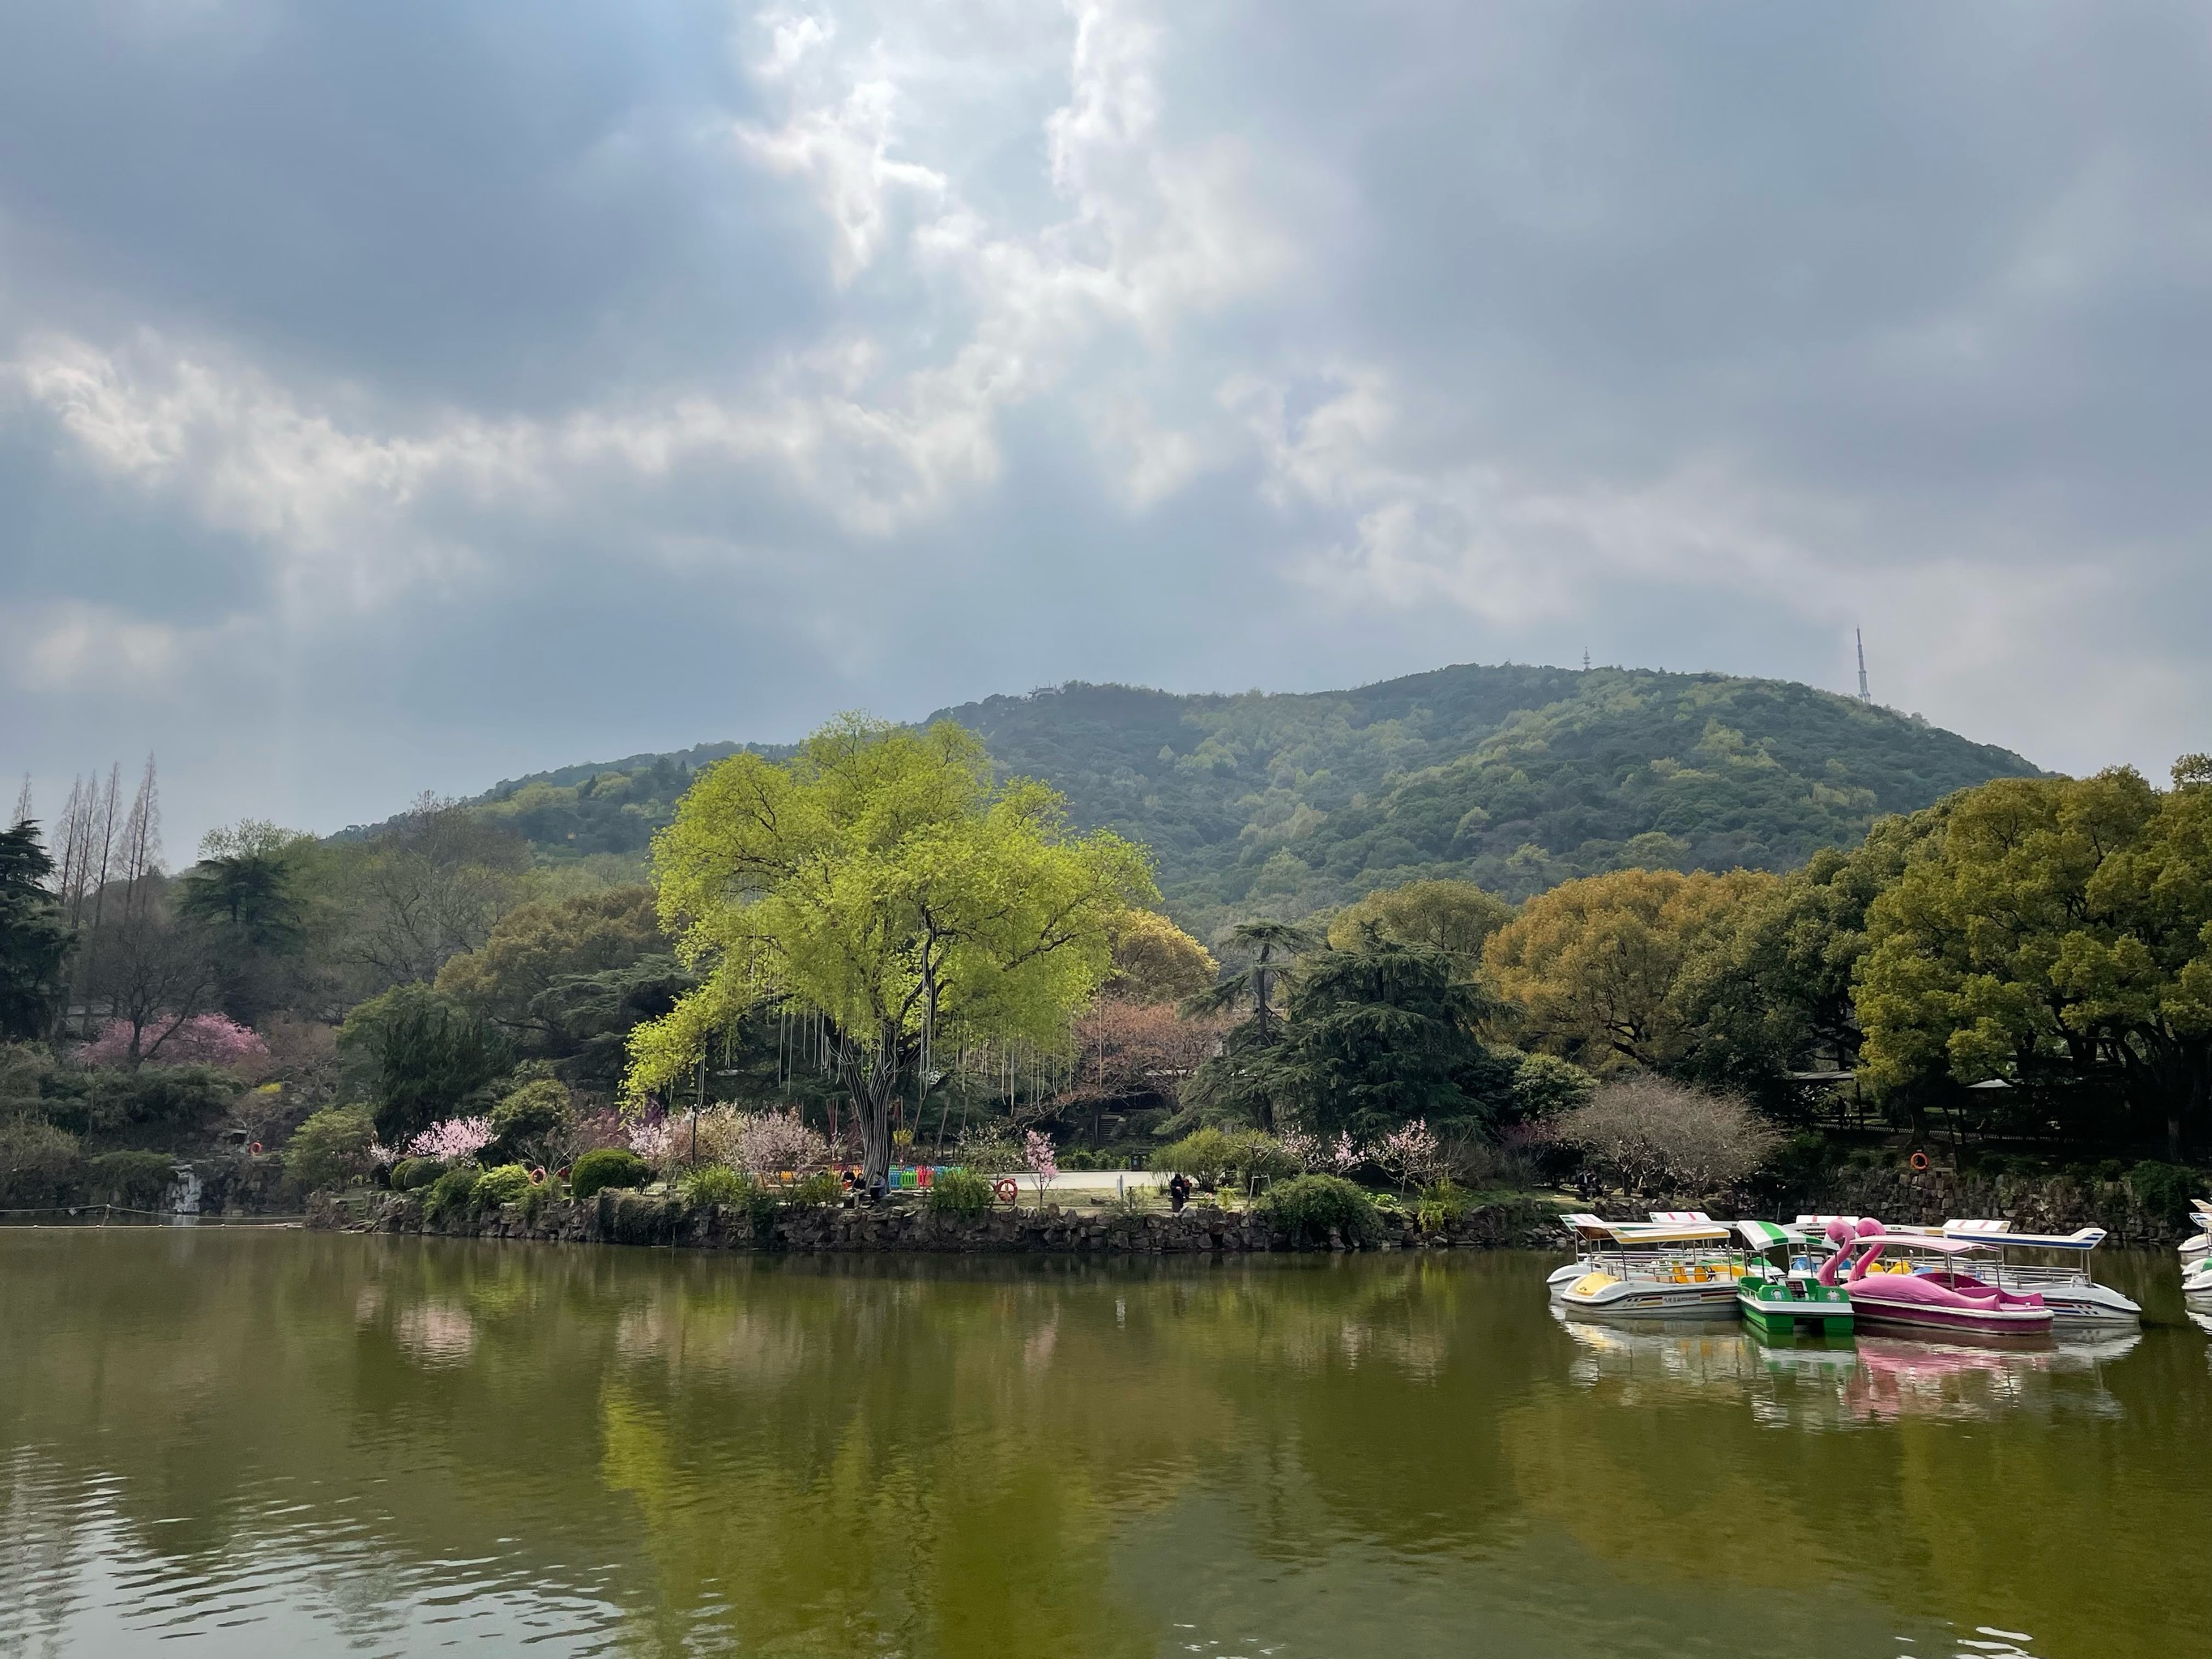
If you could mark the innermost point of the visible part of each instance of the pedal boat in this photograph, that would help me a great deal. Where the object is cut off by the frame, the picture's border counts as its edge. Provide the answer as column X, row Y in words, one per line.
column 1779, row 1300
column 1597, row 1242
column 1654, row 1270
column 2198, row 1247
column 1940, row 1298
column 2070, row 1292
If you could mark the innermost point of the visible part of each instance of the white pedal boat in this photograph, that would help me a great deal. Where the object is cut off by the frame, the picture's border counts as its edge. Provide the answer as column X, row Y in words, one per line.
column 1649, row 1270
column 2069, row 1290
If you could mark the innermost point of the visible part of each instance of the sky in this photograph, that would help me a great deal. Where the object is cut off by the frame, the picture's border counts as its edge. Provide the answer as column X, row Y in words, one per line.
column 400, row 397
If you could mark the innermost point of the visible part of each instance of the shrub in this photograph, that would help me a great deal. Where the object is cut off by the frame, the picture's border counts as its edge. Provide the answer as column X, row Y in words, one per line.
column 1652, row 1135
column 412, row 1173
column 40, row 1163
column 960, row 1192
column 820, row 1191
column 1546, row 1087
column 331, row 1149
column 531, row 1123
column 1209, row 1155
column 509, row 1183
column 1205, row 1155
column 454, row 1190
column 1439, row 1205
column 609, row 1166
column 712, row 1183
column 169, row 1105
column 2165, row 1189
column 985, row 1153
column 133, row 1180
column 1309, row 1206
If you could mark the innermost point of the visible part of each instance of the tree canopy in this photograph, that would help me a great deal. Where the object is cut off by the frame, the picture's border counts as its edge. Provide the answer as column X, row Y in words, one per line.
column 882, row 879
column 33, row 941
column 1590, row 966
column 2055, row 936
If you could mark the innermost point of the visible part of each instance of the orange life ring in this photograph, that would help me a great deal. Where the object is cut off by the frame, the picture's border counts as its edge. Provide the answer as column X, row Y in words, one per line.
column 538, row 1175
column 254, row 1149
column 1919, row 1160
column 1004, row 1190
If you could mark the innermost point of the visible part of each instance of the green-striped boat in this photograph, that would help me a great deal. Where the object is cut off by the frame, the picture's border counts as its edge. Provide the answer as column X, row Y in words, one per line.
column 1778, row 1302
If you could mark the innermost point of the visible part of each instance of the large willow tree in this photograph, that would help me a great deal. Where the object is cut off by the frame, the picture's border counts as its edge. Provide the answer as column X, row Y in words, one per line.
column 881, row 879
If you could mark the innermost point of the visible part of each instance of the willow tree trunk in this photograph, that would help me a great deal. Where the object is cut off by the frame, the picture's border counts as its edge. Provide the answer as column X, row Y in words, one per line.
column 872, row 1080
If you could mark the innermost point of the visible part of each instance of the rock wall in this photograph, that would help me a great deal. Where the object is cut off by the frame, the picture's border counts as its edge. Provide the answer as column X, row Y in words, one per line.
column 615, row 1218
column 2037, row 1204
column 2050, row 1204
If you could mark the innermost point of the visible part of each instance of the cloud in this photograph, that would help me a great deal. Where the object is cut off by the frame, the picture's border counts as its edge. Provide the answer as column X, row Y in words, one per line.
column 412, row 397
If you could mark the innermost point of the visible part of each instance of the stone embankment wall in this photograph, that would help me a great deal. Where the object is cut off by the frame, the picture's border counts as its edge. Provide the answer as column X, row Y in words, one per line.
column 2050, row 1204
column 2046, row 1204
column 615, row 1218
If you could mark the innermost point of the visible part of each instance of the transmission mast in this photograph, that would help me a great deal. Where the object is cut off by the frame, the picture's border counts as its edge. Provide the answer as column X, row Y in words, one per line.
column 1864, row 695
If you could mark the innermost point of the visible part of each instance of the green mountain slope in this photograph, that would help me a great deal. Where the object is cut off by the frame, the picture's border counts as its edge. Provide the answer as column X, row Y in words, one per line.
column 1516, row 777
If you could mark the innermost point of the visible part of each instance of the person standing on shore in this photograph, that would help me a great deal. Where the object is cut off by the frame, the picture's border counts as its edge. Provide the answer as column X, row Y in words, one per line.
column 1179, row 1192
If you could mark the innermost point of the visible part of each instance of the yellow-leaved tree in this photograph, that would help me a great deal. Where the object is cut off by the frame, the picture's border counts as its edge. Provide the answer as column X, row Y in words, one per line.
column 1590, row 967
column 881, row 879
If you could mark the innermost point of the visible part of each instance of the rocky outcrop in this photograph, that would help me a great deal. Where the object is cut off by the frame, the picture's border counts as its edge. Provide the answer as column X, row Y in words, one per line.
column 620, row 1218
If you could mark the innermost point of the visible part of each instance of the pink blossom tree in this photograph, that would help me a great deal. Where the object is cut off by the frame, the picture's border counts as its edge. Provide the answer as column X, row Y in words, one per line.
column 453, row 1141
column 1041, row 1160
column 653, row 1140
column 769, row 1143
column 1346, row 1155
column 1413, row 1153
column 202, row 1040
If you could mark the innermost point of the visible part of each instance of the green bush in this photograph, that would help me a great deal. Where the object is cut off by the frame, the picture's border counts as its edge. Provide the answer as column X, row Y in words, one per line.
column 133, row 1180
column 1309, row 1206
column 509, row 1183
column 331, row 1149
column 2165, row 1189
column 961, row 1193
column 532, row 1123
column 40, row 1162
column 1211, row 1155
column 819, row 1191
column 411, row 1173
column 608, row 1166
column 165, row 1105
column 1439, row 1206
column 454, row 1190
column 714, row 1183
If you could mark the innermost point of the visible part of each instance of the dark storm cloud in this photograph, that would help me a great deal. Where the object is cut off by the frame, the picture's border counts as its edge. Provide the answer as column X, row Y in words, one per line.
column 394, row 396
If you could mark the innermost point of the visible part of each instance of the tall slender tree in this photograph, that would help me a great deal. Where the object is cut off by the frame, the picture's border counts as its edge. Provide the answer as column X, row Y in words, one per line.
column 34, row 941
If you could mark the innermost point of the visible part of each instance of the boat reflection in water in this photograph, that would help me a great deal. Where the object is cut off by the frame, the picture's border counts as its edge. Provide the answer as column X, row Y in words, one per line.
column 1839, row 1382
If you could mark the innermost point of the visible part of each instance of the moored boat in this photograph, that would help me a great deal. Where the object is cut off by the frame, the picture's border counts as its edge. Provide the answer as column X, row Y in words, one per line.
column 2069, row 1290
column 1780, row 1301
column 1942, row 1298
column 2198, row 1247
column 1655, row 1270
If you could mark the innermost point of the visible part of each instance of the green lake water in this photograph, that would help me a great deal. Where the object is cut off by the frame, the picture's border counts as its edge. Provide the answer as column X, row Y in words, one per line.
column 272, row 1443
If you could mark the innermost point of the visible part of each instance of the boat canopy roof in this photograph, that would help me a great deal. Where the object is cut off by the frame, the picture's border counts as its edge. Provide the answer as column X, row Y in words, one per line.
column 1943, row 1243
column 1766, row 1235
column 1998, row 1234
column 1646, row 1232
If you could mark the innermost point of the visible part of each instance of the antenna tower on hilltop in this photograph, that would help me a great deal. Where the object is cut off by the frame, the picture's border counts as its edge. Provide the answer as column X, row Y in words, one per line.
column 1864, row 695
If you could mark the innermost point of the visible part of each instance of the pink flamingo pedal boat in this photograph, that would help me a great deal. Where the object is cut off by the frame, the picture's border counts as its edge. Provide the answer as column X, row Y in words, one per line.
column 1933, row 1297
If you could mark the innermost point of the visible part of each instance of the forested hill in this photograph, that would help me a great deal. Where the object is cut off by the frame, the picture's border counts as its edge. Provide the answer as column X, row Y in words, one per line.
column 1515, row 777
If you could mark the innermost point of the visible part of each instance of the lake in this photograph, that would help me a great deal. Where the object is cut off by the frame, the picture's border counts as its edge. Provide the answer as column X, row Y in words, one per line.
column 279, row 1443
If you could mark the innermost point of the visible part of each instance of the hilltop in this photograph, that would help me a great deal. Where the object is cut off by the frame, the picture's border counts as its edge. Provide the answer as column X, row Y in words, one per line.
column 1517, row 777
